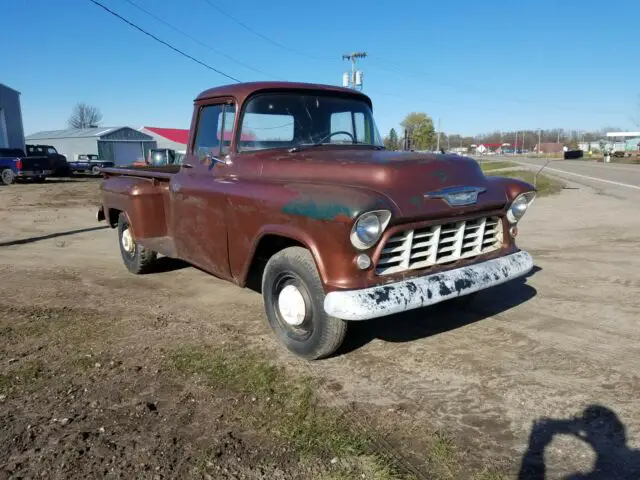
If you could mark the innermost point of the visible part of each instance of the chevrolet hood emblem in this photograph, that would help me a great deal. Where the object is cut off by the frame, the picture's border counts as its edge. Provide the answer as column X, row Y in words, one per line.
column 457, row 196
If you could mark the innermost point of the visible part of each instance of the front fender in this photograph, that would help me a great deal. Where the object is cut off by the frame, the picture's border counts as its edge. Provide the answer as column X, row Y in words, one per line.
column 320, row 217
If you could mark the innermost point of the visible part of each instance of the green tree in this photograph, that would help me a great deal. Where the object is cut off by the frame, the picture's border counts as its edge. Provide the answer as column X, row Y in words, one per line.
column 420, row 129
column 391, row 141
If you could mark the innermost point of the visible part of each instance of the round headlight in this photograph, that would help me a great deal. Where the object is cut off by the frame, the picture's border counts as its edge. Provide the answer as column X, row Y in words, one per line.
column 519, row 206
column 368, row 229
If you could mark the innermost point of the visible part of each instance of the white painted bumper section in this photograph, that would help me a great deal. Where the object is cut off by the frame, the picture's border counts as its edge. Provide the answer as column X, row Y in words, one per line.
column 428, row 290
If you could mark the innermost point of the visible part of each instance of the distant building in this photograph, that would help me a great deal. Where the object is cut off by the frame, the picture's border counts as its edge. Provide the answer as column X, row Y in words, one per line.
column 122, row 145
column 550, row 147
column 11, row 131
column 173, row 138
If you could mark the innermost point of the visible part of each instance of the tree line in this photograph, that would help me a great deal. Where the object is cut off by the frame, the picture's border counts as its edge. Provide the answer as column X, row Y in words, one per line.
column 420, row 130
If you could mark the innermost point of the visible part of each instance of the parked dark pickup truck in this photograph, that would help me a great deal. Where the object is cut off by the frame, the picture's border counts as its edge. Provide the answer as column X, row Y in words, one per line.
column 58, row 163
column 15, row 165
column 89, row 163
column 297, row 199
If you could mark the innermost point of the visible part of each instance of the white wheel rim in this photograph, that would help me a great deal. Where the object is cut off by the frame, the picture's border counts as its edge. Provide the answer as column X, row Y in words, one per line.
column 291, row 305
column 127, row 241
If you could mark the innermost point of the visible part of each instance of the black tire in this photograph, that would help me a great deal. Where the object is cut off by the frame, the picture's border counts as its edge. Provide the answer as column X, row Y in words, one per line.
column 7, row 176
column 95, row 170
column 140, row 259
column 319, row 335
column 40, row 179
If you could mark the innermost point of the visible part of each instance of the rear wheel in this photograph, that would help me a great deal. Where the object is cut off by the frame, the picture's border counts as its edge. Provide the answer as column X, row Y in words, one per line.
column 294, row 302
column 7, row 176
column 136, row 258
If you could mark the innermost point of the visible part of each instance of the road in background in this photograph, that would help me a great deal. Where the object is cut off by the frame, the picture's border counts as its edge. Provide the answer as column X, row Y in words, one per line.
column 621, row 180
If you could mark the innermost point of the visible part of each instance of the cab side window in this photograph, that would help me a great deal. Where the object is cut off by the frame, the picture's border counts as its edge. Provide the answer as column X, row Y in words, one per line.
column 214, row 131
column 207, row 142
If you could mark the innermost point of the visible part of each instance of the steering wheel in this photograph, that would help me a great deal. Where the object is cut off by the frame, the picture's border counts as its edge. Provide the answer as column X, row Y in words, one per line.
column 339, row 132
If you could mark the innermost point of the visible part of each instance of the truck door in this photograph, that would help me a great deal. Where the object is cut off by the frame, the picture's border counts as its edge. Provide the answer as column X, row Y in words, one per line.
column 198, row 192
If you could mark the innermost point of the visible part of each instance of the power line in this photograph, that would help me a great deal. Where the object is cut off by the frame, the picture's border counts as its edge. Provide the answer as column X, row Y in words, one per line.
column 199, row 42
column 95, row 2
column 389, row 66
column 261, row 35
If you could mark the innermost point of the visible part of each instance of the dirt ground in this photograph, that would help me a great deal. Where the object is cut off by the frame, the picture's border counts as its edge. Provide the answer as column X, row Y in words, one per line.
column 90, row 386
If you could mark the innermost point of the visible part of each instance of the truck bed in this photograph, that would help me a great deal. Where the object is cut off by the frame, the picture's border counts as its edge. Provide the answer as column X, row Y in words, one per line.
column 149, row 171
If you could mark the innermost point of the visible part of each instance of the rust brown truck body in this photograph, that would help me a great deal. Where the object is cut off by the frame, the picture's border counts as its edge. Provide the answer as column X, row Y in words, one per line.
column 229, row 213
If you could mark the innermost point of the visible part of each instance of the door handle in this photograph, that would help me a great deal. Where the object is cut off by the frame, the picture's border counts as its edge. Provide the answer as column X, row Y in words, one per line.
column 187, row 165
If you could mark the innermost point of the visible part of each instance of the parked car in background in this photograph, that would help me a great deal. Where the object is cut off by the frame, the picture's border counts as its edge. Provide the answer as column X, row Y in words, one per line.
column 15, row 165
column 312, row 212
column 158, row 157
column 89, row 163
column 58, row 162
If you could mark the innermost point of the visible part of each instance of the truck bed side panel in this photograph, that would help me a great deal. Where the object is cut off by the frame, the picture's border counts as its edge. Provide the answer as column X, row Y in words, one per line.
column 144, row 201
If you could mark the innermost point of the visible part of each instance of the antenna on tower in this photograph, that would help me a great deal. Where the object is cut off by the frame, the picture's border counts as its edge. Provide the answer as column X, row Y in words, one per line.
column 355, row 78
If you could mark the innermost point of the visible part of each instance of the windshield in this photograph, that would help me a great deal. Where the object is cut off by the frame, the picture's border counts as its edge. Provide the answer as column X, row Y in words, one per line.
column 52, row 151
column 285, row 120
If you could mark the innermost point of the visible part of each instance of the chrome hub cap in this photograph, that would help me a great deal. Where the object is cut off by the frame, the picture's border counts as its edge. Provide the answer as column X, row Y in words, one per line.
column 291, row 305
column 127, row 241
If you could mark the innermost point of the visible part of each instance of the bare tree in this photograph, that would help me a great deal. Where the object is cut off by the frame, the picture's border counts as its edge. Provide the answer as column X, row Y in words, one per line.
column 84, row 116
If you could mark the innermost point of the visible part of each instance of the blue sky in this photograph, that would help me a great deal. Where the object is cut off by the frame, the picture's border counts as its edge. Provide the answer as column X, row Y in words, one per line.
column 478, row 66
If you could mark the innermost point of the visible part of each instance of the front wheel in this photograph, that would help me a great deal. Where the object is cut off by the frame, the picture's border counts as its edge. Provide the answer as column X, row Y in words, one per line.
column 294, row 302
column 7, row 176
column 136, row 258
column 95, row 170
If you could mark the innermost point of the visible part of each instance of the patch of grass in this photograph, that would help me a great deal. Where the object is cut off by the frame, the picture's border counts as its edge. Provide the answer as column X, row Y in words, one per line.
column 544, row 184
column 5, row 382
column 488, row 166
column 287, row 407
column 490, row 475
column 442, row 454
column 26, row 376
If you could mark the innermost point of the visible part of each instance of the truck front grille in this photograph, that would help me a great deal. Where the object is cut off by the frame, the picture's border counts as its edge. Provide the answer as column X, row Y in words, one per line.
column 439, row 244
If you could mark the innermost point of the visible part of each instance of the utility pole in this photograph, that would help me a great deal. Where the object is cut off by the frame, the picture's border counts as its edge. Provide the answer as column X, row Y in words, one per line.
column 539, row 137
column 515, row 145
column 438, row 144
column 353, row 79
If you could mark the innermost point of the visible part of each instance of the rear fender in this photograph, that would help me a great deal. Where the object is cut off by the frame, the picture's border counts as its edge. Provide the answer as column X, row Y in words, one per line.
column 141, row 199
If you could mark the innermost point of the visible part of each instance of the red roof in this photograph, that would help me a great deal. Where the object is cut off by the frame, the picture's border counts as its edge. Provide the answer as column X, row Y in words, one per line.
column 177, row 135
column 180, row 135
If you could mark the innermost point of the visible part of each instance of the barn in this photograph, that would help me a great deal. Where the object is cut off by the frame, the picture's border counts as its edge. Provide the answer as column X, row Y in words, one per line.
column 122, row 145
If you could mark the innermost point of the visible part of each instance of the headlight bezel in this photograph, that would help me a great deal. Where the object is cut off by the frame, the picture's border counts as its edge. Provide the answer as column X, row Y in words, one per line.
column 383, row 217
column 524, row 199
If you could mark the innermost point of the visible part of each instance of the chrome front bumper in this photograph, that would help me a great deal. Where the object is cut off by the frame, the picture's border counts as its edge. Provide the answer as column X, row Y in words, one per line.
column 427, row 290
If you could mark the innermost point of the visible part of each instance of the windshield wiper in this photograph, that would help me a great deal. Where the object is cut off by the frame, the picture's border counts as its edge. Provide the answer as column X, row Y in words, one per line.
column 302, row 146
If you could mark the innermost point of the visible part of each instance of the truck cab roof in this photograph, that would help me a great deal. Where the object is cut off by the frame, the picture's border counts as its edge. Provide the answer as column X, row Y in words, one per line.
column 241, row 91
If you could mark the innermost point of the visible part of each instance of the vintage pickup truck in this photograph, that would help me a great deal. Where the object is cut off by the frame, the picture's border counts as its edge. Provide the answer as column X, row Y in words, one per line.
column 286, row 187
column 88, row 163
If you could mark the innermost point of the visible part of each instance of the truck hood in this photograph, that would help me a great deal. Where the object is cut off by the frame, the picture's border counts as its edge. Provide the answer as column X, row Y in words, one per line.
column 404, row 178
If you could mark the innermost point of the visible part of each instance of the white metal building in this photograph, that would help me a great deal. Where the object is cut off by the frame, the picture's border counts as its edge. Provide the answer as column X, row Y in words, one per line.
column 122, row 145
column 11, row 131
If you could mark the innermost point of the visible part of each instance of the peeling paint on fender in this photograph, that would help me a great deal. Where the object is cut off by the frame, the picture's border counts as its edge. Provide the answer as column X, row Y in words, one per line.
column 318, row 211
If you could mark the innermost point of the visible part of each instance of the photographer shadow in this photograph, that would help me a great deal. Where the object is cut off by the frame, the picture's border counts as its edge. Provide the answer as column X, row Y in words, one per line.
column 601, row 429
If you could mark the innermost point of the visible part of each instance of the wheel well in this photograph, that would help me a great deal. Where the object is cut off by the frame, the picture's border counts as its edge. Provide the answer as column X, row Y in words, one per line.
column 268, row 246
column 113, row 217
